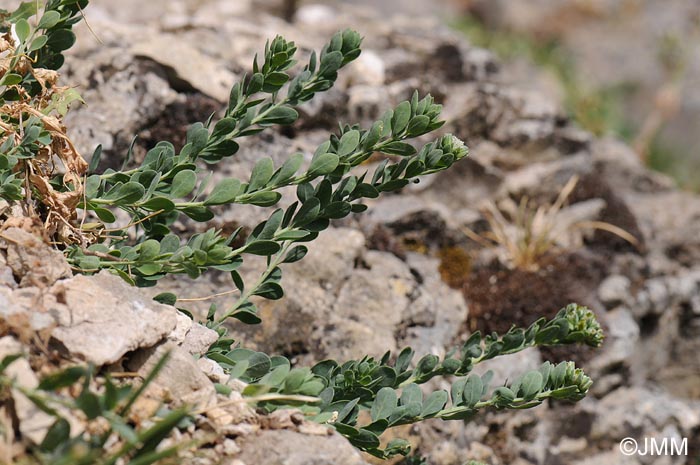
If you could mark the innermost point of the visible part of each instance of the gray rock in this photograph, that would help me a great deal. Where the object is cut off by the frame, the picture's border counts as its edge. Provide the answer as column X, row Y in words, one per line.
column 7, row 279
column 213, row 370
column 646, row 412
column 198, row 339
column 368, row 69
column 191, row 336
column 26, row 308
column 368, row 308
column 436, row 314
column 546, row 179
column 29, row 257
column 129, row 94
column 509, row 367
column 180, row 381
column 366, row 103
column 622, row 337
column 284, row 447
column 105, row 318
column 186, row 64
column 614, row 290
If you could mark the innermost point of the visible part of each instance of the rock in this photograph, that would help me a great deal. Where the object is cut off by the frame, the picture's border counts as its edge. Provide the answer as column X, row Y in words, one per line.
column 284, row 447
column 102, row 330
column 509, row 367
column 366, row 103
column 342, row 301
column 621, row 336
column 198, row 339
column 7, row 279
column 182, row 326
column 314, row 14
column 368, row 69
column 230, row 447
column 24, row 310
column 186, row 67
column 181, row 381
column 436, row 314
column 644, row 411
column 368, row 307
column 545, row 180
column 32, row 260
column 33, row 422
column 213, row 370
column 191, row 336
column 231, row 410
column 614, row 290
column 124, row 94
column 330, row 256
column 480, row 64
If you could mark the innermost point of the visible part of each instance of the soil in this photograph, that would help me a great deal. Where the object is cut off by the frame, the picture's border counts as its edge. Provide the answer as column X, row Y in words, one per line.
column 173, row 123
column 499, row 297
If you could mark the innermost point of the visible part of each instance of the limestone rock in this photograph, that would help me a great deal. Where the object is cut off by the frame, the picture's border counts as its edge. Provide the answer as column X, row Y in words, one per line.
column 181, row 381
column 614, row 290
column 284, row 447
column 105, row 318
column 187, row 65
column 32, row 260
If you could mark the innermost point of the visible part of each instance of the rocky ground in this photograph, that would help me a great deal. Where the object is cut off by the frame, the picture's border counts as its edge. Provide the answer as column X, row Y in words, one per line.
column 408, row 272
column 643, row 56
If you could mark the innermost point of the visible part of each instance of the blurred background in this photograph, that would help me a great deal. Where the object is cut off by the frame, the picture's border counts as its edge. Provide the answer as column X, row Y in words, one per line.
column 626, row 68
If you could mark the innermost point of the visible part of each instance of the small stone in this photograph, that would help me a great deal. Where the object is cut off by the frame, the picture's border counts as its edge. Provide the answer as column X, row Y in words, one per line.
column 614, row 290
column 315, row 14
column 230, row 447
column 198, row 339
column 231, row 410
column 240, row 429
column 213, row 370
column 309, row 427
column 182, row 326
column 283, row 419
column 367, row 69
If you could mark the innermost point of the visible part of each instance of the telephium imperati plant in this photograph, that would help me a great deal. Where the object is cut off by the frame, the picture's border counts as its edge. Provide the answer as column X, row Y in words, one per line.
column 67, row 201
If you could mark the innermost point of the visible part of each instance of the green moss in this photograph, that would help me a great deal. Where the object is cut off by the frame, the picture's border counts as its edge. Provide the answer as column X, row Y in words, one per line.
column 455, row 266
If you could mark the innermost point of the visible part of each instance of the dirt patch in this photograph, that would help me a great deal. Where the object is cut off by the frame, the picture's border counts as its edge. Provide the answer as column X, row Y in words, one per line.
column 499, row 297
column 177, row 117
